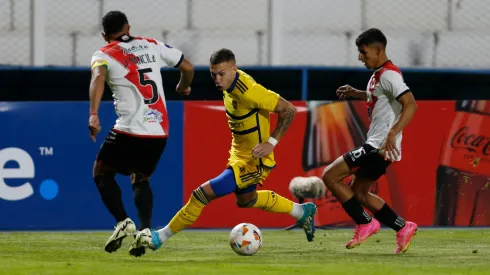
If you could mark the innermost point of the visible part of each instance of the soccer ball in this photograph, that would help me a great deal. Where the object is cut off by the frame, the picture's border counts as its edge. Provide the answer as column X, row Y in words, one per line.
column 245, row 239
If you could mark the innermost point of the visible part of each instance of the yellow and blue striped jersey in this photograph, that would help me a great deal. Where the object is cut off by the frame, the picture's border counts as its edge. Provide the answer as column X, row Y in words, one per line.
column 248, row 106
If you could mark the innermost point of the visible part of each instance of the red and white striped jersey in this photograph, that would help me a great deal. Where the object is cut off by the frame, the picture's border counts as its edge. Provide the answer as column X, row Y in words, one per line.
column 133, row 74
column 384, row 89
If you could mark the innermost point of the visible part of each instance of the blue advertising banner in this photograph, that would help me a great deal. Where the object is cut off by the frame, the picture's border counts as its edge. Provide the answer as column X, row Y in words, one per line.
column 46, row 161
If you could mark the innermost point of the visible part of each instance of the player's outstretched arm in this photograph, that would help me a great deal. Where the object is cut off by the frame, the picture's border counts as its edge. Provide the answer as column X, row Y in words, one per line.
column 347, row 91
column 186, row 77
column 96, row 91
column 286, row 112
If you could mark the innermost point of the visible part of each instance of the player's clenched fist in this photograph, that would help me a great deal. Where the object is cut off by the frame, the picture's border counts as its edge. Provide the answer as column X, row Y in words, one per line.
column 182, row 90
column 345, row 91
column 93, row 126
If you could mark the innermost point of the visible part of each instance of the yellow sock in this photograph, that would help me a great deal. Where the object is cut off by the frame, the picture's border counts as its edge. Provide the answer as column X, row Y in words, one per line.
column 190, row 212
column 272, row 202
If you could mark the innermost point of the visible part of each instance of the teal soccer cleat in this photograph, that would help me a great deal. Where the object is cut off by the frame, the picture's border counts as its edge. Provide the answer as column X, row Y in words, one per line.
column 307, row 222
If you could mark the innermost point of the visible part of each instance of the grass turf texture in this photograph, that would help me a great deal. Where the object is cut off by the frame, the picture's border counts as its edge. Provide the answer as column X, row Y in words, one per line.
column 451, row 251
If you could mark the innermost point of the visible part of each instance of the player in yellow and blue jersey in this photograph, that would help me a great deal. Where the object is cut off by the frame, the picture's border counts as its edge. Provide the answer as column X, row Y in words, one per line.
column 248, row 106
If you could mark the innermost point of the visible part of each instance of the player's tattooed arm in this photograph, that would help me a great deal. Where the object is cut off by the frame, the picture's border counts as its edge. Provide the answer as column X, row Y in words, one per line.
column 286, row 112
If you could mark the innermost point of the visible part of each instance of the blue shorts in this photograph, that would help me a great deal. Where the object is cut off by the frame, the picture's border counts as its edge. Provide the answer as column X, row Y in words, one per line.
column 225, row 184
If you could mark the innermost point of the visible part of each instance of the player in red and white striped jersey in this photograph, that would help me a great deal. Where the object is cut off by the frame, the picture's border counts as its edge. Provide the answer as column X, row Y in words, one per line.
column 391, row 106
column 131, row 67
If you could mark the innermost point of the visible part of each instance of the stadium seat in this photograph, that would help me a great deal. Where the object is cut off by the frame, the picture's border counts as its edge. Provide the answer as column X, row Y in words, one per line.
column 321, row 16
column 463, row 49
column 314, row 49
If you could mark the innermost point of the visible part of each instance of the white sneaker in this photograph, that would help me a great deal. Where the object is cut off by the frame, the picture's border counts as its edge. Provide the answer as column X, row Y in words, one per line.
column 121, row 231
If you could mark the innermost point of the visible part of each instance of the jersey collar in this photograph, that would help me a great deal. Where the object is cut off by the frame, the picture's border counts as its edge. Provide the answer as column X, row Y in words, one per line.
column 229, row 90
column 121, row 38
column 387, row 61
column 124, row 38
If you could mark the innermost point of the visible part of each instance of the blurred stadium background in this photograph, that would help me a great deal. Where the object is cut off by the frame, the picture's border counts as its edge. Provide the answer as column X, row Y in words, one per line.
column 421, row 33
column 46, row 156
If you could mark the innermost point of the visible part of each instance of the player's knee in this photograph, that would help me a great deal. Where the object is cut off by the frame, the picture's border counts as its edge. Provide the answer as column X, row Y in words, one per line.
column 246, row 200
column 246, row 203
column 328, row 178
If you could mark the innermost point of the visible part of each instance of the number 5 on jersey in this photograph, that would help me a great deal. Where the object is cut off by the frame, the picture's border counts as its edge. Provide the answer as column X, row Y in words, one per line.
column 144, row 82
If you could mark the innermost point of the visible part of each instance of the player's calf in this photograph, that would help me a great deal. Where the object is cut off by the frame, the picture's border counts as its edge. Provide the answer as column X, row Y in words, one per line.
column 273, row 202
column 110, row 193
column 382, row 211
column 143, row 199
column 186, row 216
column 366, row 226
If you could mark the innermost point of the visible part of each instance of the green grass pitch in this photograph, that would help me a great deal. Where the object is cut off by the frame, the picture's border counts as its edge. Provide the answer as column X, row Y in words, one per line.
column 433, row 251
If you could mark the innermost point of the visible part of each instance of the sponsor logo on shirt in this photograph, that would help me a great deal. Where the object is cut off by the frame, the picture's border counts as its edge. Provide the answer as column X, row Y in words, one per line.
column 152, row 116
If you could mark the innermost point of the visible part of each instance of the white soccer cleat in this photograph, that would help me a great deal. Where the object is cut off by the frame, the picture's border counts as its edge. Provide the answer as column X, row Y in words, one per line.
column 121, row 231
column 146, row 238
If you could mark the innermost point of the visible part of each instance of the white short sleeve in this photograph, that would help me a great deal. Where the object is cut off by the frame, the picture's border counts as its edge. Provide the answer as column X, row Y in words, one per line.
column 392, row 82
column 98, row 55
column 171, row 56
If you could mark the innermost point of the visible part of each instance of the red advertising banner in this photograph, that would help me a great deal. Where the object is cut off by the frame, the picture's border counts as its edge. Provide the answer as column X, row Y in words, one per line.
column 443, row 178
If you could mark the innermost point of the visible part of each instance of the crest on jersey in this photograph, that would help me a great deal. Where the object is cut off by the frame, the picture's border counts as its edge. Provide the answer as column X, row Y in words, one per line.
column 234, row 103
column 372, row 84
column 152, row 116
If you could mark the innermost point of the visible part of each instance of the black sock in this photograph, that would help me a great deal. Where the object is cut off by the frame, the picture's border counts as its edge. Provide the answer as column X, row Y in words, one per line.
column 110, row 193
column 354, row 208
column 387, row 216
column 143, row 199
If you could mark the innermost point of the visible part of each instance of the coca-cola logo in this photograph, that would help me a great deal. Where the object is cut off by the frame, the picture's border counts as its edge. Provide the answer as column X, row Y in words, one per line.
column 464, row 139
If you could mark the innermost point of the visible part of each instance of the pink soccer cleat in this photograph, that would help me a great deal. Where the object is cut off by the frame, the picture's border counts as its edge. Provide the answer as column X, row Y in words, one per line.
column 363, row 231
column 404, row 236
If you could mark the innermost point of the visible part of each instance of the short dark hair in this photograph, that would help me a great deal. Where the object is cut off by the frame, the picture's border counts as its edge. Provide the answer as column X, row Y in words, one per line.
column 371, row 36
column 113, row 22
column 222, row 55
